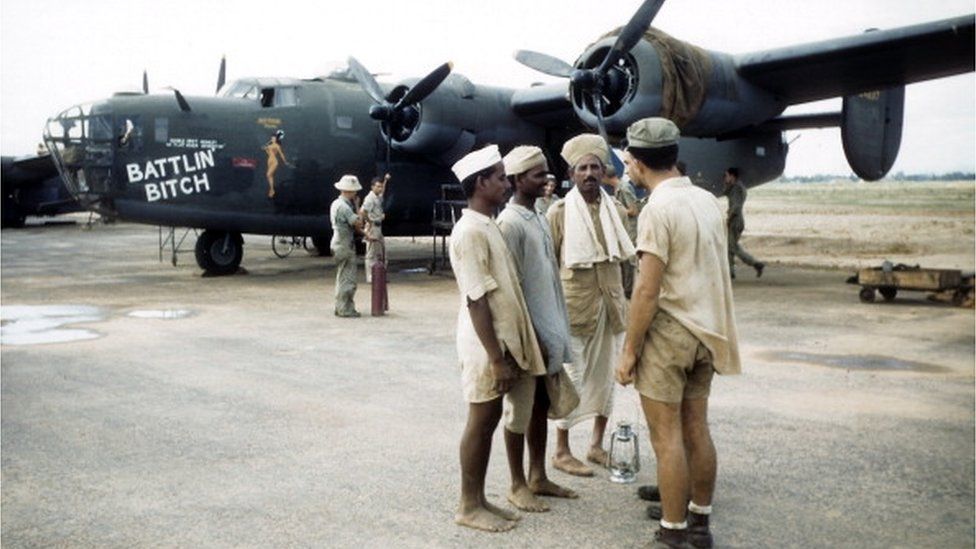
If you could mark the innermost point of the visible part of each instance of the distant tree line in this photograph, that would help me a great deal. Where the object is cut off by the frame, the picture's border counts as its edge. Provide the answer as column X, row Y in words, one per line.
column 898, row 176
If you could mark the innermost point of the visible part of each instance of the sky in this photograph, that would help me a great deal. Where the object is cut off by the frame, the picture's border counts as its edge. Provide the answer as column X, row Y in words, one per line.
column 55, row 54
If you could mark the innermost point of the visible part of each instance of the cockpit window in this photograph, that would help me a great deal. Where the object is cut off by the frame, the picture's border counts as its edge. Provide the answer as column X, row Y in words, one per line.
column 279, row 97
column 241, row 90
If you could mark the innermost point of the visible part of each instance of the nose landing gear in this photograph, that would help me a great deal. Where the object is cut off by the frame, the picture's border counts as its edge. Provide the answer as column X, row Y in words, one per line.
column 219, row 253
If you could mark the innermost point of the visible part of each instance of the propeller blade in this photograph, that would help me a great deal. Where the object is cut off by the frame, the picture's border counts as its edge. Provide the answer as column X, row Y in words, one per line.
column 544, row 63
column 145, row 82
column 598, row 107
column 632, row 32
column 366, row 80
column 425, row 86
column 222, row 73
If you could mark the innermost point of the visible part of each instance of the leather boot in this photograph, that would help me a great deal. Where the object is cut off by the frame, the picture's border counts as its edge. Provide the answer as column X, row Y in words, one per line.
column 666, row 538
column 699, row 534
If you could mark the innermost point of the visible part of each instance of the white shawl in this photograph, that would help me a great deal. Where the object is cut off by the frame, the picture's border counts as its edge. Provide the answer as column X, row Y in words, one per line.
column 580, row 246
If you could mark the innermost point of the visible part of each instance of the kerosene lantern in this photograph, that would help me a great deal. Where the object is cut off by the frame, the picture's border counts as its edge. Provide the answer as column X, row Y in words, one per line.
column 624, row 459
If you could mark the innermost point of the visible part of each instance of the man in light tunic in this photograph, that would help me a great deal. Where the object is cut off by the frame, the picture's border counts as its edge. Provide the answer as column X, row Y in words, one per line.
column 497, row 347
column 680, row 330
column 530, row 243
column 591, row 243
column 344, row 220
column 372, row 213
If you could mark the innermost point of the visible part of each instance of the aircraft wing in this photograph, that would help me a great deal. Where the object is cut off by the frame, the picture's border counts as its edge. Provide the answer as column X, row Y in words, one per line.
column 870, row 61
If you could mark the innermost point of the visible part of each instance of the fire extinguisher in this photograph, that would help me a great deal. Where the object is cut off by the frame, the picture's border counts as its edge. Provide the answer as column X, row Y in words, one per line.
column 381, row 302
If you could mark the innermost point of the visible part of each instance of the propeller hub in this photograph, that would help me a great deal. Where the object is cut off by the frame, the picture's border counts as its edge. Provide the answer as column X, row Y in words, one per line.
column 381, row 112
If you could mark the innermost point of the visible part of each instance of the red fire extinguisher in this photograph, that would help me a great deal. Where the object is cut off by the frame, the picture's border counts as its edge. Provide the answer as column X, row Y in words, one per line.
column 381, row 302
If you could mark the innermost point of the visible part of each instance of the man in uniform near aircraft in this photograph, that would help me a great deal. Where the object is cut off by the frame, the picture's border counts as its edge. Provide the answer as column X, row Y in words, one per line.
column 736, row 191
column 548, row 197
column 372, row 213
column 591, row 243
column 528, row 239
column 345, row 222
column 680, row 330
column 626, row 196
column 497, row 347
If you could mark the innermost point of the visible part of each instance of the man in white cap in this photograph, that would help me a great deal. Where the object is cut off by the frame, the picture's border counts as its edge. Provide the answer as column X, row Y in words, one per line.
column 530, row 243
column 496, row 344
column 345, row 221
column 681, row 328
column 591, row 242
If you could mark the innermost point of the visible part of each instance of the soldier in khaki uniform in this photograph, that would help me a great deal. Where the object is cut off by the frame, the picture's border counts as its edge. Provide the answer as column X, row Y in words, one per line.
column 345, row 222
column 496, row 344
column 591, row 243
column 680, row 330
column 372, row 213
column 736, row 191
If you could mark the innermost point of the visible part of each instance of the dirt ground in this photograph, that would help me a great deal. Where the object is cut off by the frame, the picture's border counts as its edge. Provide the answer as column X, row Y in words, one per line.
column 175, row 410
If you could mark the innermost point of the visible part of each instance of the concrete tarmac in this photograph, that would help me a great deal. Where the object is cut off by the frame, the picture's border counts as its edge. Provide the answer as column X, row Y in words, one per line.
column 144, row 405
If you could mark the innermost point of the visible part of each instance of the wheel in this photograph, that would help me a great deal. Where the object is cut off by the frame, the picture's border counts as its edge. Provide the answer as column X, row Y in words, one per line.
column 309, row 245
column 11, row 216
column 959, row 297
column 867, row 295
column 282, row 246
column 888, row 293
column 218, row 252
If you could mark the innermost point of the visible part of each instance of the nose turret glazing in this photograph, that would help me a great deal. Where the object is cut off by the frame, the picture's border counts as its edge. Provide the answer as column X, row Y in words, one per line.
column 82, row 141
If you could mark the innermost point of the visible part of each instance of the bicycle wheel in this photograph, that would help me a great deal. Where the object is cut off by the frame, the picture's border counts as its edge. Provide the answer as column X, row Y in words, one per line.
column 282, row 246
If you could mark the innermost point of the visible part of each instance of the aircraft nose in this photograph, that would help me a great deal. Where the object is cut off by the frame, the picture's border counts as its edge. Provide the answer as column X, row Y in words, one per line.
column 82, row 144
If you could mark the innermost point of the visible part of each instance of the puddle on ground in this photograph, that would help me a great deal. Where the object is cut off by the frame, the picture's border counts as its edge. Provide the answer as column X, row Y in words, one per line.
column 856, row 362
column 165, row 314
column 36, row 324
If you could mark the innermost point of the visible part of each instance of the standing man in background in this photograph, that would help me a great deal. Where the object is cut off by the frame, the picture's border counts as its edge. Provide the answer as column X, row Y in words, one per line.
column 372, row 213
column 345, row 222
column 736, row 191
column 591, row 243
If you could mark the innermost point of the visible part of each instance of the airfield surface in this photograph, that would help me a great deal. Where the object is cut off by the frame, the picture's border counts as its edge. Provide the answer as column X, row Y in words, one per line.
column 175, row 410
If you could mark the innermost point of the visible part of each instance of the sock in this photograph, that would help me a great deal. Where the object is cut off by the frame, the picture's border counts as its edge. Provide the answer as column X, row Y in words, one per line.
column 683, row 525
column 700, row 509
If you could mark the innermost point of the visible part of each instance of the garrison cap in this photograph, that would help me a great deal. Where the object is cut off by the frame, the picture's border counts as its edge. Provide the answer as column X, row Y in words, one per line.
column 348, row 183
column 584, row 144
column 652, row 133
column 476, row 161
column 523, row 158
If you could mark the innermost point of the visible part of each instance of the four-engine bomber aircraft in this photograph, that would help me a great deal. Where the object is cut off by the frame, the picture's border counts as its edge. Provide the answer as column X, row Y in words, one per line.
column 261, row 156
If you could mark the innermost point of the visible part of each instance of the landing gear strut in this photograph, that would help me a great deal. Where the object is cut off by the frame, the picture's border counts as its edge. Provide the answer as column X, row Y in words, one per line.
column 219, row 253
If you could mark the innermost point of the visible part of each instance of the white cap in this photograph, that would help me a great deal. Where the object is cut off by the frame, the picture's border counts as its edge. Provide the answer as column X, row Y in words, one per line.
column 476, row 161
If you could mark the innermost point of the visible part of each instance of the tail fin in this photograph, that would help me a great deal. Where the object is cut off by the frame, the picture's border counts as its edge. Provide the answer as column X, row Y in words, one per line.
column 870, row 129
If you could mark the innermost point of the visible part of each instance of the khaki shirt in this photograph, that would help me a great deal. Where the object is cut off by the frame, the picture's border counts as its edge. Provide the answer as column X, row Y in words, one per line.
column 586, row 289
column 343, row 217
column 737, row 200
column 626, row 196
column 483, row 266
column 684, row 227
column 373, row 208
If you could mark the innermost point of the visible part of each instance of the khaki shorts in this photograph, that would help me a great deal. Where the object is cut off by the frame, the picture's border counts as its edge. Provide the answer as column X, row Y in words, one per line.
column 478, row 386
column 674, row 365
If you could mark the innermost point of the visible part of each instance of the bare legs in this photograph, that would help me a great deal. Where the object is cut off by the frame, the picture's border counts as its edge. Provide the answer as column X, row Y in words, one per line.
column 566, row 462
column 474, row 511
column 686, row 460
column 522, row 493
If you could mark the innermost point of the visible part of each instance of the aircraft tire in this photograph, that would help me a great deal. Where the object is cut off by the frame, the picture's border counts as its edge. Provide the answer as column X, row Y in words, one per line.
column 11, row 216
column 219, row 253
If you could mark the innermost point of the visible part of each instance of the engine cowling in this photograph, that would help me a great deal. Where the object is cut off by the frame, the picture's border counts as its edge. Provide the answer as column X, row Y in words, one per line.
column 662, row 76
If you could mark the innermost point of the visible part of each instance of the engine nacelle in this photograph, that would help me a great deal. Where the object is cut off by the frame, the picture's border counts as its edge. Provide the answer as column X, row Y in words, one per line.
column 870, row 130
column 456, row 118
column 661, row 76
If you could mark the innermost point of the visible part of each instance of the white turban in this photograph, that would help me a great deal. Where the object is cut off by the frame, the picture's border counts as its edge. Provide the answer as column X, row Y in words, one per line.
column 584, row 144
column 523, row 158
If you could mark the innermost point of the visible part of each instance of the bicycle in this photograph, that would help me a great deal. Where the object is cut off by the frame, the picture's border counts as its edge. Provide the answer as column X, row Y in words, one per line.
column 282, row 246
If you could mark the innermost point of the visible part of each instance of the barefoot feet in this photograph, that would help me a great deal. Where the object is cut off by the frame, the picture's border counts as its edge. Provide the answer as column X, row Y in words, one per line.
column 569, row 464
column 524, row 499
column 598, row 455
column 549, row 488
column 481, row 518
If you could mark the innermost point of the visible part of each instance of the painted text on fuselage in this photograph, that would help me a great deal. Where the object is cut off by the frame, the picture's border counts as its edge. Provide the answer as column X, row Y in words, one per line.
column 172, row 176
